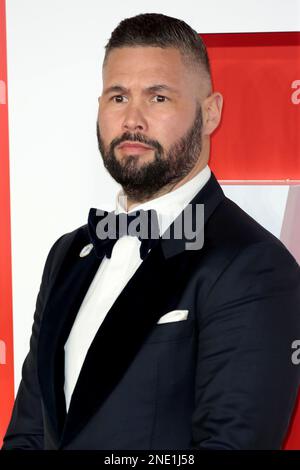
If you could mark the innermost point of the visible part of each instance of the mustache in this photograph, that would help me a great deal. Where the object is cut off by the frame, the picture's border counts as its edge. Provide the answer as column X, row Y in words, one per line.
column 136, row 137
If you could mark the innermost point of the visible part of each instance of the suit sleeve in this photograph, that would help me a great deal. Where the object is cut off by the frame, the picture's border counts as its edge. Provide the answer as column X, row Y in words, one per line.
column 25, row 430
column 246, row 383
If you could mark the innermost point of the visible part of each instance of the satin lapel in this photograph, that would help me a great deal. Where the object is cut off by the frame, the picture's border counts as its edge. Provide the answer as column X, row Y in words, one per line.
column 64, row 299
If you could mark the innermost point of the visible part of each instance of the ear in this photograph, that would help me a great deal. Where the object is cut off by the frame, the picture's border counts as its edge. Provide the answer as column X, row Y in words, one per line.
column 212, row 112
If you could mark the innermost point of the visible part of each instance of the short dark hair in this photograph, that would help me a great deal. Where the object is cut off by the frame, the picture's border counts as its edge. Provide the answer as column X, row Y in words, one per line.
column 157, row 30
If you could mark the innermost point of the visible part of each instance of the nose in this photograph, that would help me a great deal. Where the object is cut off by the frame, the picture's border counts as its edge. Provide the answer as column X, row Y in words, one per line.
column 134, row 119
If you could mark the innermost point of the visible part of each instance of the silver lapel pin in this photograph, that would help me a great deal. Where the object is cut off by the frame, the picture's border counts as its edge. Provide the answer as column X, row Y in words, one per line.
column 86, row 250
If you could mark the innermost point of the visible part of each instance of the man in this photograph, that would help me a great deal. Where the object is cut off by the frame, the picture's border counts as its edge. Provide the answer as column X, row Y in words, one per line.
column 170, row 344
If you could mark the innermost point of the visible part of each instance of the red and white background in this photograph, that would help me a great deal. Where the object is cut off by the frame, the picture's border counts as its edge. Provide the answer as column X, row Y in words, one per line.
column 50, row 169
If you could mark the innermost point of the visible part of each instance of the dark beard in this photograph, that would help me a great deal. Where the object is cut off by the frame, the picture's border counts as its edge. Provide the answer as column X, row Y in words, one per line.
column 140, row 182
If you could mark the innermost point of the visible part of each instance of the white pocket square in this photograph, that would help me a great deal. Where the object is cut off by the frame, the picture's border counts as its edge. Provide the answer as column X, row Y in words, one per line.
column 174, row 315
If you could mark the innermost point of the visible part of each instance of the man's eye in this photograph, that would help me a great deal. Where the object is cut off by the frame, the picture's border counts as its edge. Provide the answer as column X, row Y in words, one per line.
column 160, row 98
column 118, row 98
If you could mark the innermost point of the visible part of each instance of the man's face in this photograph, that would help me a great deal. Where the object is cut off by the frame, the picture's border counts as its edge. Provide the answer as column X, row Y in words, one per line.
column 150, row 119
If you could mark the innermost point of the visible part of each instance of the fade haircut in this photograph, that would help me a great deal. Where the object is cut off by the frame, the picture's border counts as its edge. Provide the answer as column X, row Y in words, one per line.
column 157, row 30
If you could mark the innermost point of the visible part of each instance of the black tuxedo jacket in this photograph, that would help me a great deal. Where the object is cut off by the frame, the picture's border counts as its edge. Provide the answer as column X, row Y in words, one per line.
column 221, row 379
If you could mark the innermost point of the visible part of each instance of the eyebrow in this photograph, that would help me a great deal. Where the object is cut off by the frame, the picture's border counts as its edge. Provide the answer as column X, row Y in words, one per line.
column 151, row 89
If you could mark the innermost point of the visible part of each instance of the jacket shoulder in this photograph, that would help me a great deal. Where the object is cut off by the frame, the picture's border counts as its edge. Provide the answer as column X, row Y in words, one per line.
column 235, row 243
column 61, row 246
column 231, row 226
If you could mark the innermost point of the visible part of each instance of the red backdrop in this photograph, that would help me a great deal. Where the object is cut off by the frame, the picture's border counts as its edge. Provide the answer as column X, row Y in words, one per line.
column 258, row 138
column 6, row 326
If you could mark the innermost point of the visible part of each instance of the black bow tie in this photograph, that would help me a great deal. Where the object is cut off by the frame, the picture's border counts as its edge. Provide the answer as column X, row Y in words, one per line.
column 105, row 228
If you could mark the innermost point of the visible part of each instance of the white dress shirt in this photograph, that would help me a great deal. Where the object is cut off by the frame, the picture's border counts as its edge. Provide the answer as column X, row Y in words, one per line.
column 114, row 273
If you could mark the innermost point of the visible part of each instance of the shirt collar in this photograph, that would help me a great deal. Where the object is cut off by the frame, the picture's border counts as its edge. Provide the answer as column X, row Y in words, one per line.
column 169, row 205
